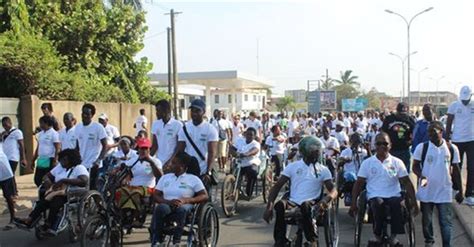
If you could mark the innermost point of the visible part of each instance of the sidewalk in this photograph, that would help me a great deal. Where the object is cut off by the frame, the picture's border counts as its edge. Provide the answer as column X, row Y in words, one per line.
column 464, row 212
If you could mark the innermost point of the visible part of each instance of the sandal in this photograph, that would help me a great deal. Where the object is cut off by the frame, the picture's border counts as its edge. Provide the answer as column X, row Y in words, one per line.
column 9, row 226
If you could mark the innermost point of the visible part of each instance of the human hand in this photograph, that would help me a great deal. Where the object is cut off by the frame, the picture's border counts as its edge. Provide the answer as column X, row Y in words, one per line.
column 268, row 215
column 459, row 197
column 353, row 210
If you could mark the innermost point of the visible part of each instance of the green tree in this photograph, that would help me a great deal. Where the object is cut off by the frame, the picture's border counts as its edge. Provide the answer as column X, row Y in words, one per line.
column 285, row 104
column 346, row 77
column 327, row 84
column 345, row 91
column 373, row 98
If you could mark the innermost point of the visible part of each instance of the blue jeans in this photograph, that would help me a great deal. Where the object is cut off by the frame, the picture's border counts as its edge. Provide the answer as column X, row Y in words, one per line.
column 445, row 215
column 161, row 212
column 404, row 155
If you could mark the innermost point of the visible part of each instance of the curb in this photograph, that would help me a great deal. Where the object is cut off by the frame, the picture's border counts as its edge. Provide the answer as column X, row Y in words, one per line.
column 468, row 227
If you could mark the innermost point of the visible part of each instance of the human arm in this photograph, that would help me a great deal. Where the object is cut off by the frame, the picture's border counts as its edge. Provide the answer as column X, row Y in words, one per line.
column 358, row 186
column 199, row 197
column 410, row 190
column 21, row 146
column 251, row 152
column 211, row 153
column 268, row 214
column 457, row 181
column 449, row 127
column 154, row 145
column 80, row 181
column 331, row 195
column 57, row 149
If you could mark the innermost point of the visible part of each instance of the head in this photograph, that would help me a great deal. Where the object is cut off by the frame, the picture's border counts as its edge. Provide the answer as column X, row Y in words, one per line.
column 339, row 126
column 252, row 115
column 68, row 120
column 46, row 122
column 428, row 112
column 216, row 114
column 142, row 134
column 198, row 109
column 373, row 127
column 310, row 148
column 163, row 109
column 382, row 144
column 47, row 109
column 310, row 123
column 103, row 119
column 370, row 115
column 142, row 112
column 236, row 119
column 143, row 146
column 435, row 132
column 340, row 116
column 376, row 114
column 250, row 134
column 125, row 144
column 355, row 140
column 320, row 114
column 276, row 130
column 7, row 123
column 402, row 108
column 265, row 117
column 465, row 95
column 180, row 162
column 69, row 158
column 88, row 112
column 326, row 132
column 360, row 116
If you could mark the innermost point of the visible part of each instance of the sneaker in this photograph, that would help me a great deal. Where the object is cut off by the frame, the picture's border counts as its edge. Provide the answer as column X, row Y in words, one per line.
column 469, row 201
column 52, row 232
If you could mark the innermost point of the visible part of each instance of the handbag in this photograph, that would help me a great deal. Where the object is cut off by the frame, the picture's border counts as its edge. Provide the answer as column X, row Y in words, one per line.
column 43, row 162
column 51, row 193
column 214, row 176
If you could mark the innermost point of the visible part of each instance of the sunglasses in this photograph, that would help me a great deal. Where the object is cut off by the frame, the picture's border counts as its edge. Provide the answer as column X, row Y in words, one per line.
column 382, row 144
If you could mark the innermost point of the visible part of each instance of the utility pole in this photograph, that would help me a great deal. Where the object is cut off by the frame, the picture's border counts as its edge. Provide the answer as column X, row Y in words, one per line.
column 170, row 61
column 258, row 61
column 174, row 63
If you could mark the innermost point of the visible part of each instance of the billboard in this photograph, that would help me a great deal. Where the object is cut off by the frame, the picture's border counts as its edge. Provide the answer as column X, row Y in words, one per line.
column 321, row 101
column 354, row 105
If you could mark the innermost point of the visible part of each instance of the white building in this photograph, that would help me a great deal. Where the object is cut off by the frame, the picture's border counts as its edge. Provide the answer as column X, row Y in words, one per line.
column 231, row 91
column 298, row 95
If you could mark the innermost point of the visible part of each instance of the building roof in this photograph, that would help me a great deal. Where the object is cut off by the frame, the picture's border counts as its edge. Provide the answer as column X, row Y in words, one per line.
column 217, row 79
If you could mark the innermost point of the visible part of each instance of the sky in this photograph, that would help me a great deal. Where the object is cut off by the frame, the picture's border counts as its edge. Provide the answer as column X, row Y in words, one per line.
column 299, row 40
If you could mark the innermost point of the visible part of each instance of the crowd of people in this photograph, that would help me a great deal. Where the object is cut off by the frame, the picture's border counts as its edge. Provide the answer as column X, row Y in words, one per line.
column 174, row 161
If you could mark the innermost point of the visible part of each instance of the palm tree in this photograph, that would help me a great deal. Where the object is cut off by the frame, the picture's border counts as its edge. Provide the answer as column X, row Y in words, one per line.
column 285, row 103
column 348, row 79
column 327, row 84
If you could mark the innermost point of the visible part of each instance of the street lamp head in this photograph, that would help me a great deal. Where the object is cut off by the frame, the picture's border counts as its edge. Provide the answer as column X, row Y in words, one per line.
column 389, row 11
column 428, row 9
column 413, row 53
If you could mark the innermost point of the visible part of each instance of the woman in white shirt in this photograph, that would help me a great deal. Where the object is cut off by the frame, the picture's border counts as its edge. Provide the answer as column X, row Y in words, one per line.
column 69, row 173
column 176, row 193
column 125, row 151
column 46, row 153
column 248, row 153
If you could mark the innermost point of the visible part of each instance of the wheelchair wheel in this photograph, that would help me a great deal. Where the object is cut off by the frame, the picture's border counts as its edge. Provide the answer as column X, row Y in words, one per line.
column 73, row 234
column 229, row 195
column 410, row 229
column 359, row 218
column 208, row 225
column 38, row 233
column 331, row 228
column 96, row 232
column 89, row 206
column 267, row 182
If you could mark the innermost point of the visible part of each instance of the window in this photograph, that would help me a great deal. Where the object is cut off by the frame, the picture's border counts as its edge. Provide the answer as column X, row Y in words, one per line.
column 254, row 98
column 216, row 99
column 182, row 104
column 259, row 98
column 246, row 97
column 229, row 98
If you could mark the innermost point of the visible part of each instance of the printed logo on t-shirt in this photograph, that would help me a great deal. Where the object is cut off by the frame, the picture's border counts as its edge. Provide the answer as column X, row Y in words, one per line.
column 148, row 169
column 299, row 171
column 430, row 159
column 373, row 171
column 91, row 136
column 391, row 170
column 167, row 184
column 183, row 185
column 459, row 111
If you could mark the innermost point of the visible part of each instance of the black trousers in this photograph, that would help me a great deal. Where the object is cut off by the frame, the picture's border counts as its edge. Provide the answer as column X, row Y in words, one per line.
column 14, row 165
column 277, row 160
column 54, row 206
column 93, row 176
column 379, row 212
column 308, row 223
column 468, row 149
column 251, row 174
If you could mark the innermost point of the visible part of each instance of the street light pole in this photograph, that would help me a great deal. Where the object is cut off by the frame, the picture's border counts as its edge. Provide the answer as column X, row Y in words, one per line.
column 437, row 89
column 419, row 83
column 403, row 59
column 408, row 23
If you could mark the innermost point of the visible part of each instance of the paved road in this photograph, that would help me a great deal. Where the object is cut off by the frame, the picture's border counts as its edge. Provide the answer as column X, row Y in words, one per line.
column 245, row 229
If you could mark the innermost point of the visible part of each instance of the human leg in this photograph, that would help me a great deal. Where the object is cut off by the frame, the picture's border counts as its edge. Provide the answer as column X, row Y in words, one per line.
column 378, row 212
column 55, row 206
column 396, row 217
column 8, row 191
column 13, row 166
column 470, row 169
column 94, row 174
column 445, row 216
column 279, row 232
column 181, row 213
column 308, row 222
column 161, row 211
column 427, row 221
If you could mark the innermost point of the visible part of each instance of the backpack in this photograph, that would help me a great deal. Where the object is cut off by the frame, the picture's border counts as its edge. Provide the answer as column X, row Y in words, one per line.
column 222, row 133
column 425, row 150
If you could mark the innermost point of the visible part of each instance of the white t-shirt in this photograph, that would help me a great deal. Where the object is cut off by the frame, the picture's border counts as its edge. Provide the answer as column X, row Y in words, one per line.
column 167, row 137
column 377, row 122
column 275, row 146
column 244, row 147
column 237, row 130
column 463, row 123
column 68, row 138
column 201, row 136
column 5, row 169
column 361, row 124
column 221, row 124
column 131, row 155
column 46, row 141
column 382, row 178
column 331, row 144
column 11, row 147
column 351, row 165
column 310, row 130
column 306, row 181
column 303, row 123
column 292, row 127
column 437, row 169
column 112, row 134
column 89, row 142
column 141, row 120
column 370, row 137
column 256, row 124
column 341, row 137
column 59, row 172
column 184, row 186
column 142, row 172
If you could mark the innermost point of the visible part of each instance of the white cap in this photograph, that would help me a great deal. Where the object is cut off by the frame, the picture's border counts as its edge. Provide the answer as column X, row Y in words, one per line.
column 103, row 116
column 465, row 93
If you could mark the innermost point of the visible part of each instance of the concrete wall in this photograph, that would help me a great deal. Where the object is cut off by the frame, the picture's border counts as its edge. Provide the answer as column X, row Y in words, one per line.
column 9, row 107
column 121, row 115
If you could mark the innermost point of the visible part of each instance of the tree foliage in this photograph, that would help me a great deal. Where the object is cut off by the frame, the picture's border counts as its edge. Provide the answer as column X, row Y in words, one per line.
column 74, row 49
column 285, row 104
column 347, row 78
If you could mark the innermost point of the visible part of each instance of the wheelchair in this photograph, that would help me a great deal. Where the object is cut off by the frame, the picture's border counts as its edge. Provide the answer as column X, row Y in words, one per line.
column 327, row 219
column 201, row 228
column 233, row 187
column 80, row 204
column 364, row 209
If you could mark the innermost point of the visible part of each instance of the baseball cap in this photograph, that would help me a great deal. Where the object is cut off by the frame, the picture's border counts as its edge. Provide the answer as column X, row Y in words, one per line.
column 465, row 93
column 198, row 103
column 103, row 116
column 143, row 143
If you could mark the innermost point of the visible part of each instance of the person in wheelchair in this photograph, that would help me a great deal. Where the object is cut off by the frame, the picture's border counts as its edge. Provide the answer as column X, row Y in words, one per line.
column 176, row 194
column 382, row 175
column 70, row 173
column 125, row 151
column 293, row 152
column 350, row 160
column 306, row 177
column 332, row 149
column 248, row 152
column 144, row 170
column 275, row 144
